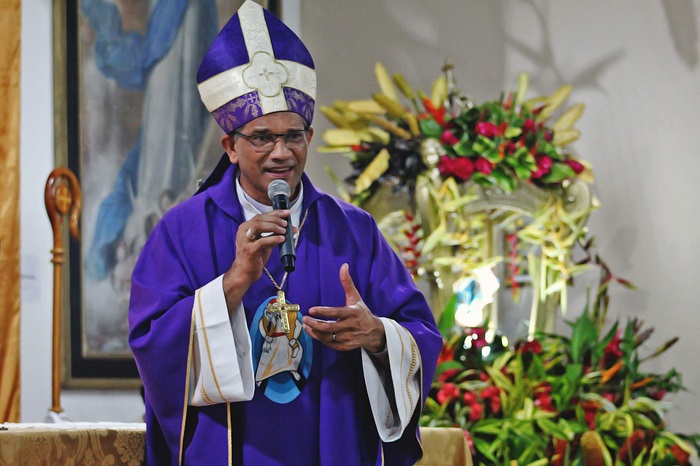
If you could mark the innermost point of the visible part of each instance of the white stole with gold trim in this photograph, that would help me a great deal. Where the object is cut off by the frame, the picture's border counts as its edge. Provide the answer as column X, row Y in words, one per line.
column 392, row 414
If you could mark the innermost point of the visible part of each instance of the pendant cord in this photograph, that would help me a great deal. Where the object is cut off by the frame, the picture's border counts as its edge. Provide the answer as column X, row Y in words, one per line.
column 296, row 240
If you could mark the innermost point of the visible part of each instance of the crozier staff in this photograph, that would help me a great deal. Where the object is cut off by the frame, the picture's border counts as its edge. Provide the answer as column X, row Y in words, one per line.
column 241, row 361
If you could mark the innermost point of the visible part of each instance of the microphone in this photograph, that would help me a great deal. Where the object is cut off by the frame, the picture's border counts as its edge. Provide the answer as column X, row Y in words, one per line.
column 279, row 191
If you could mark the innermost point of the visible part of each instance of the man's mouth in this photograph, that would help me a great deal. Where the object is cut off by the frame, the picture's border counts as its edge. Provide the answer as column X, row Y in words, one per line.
column 279, row 170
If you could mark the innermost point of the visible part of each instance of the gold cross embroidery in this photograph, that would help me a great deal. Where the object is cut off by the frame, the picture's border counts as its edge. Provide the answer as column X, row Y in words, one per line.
column 284, row 308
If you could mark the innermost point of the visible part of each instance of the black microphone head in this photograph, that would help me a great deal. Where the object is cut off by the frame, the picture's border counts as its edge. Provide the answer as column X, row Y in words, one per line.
column 278, row 187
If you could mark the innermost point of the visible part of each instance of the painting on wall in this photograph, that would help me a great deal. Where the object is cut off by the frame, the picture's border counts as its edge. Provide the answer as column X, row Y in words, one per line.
column 130, row 124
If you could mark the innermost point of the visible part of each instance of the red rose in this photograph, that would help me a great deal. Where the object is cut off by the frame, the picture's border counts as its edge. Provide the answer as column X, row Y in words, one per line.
column 447, row 393
column 548, row 135
column 469, row 398
column 544, row 162
column 489, row 392
column 545, row 403
column 537, row 174
column 495, row 404
column 486, row 129
column 446, row 165
column 475, row 412
column 484, row 166
column 575, row 165
column 528, row 126
column 448, row 137
column 508, row 147
column 463, row 168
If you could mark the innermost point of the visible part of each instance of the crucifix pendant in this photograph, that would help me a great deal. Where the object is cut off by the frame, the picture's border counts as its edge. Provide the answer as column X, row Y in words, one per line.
column 284, row 308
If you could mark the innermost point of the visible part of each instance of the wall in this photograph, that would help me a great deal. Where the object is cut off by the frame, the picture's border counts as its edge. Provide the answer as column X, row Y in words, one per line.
column 634, row 65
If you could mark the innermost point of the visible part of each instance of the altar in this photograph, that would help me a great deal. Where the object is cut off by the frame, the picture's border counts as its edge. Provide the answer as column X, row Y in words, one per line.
column 124, row 444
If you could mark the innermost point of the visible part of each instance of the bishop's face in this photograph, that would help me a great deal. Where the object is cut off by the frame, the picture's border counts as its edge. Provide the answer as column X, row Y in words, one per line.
column 263, row 154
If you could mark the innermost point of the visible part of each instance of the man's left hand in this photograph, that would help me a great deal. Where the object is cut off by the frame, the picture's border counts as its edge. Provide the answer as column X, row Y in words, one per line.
column 349, row 327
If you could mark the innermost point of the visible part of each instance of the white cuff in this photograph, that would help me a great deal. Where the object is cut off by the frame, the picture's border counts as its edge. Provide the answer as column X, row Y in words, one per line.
column 223, row 368
column 393, row 413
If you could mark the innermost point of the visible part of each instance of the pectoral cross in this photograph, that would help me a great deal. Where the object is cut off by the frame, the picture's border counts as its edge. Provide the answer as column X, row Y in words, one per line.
column 283, row 308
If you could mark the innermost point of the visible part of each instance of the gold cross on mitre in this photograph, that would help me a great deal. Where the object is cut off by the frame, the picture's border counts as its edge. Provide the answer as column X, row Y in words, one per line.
column 283, row 307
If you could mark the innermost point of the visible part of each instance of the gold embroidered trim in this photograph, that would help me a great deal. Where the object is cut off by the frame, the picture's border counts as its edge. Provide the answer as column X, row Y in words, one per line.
column 420, row 377
column 202, row 391
column 187, row 388
column 230, row 441
column 205, row 396
column 206, row 343
column 403, row 350
column 411, row 369
column 388, row 418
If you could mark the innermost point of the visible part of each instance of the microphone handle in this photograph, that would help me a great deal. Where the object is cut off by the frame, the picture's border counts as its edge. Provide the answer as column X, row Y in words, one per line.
column 287, row 251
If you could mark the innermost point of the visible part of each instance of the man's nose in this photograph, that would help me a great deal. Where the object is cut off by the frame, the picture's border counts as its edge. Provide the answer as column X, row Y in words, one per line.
column 280, row 149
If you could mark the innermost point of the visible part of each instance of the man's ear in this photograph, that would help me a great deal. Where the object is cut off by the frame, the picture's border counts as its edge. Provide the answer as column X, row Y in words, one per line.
column 228, row 142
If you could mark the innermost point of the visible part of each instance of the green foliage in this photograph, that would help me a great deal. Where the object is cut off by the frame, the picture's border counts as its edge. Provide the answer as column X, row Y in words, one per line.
column 560, row 399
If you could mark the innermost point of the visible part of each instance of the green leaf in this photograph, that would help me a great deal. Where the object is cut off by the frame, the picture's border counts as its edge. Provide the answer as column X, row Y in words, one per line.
column 447, row 318
column 549, row 427
column 558, row 172
column 492, row 155
column 522, row 172
column 513, row 132
column 447, row 365
column 504, row 180
column 583, row 336
column 430, row 128
column 464, row 146
column 483, row 180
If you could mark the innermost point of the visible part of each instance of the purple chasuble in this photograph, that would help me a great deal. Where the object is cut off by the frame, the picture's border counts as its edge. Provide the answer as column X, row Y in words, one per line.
column 330, row 421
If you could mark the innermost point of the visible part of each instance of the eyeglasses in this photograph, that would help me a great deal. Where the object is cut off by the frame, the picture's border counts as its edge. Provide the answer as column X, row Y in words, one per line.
column 294, row 139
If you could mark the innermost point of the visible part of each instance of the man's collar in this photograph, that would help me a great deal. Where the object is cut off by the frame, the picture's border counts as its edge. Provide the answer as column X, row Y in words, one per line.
column 221, row 188
column 251, row 207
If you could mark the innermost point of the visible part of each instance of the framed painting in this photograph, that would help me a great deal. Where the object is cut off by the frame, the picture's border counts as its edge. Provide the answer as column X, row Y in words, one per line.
column 129, row 123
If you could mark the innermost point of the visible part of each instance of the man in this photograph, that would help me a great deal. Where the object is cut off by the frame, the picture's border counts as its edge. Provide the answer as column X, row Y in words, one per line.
column 242, row 362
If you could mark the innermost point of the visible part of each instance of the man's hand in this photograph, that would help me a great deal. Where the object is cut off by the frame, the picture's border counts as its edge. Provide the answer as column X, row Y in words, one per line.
column 349, row 327
column 252, row 253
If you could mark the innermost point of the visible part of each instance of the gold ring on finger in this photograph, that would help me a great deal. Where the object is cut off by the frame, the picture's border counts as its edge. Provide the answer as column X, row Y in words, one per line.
column 249, row 234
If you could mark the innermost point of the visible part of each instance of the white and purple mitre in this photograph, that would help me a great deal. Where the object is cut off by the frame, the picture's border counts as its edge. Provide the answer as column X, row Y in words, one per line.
column 255, row 66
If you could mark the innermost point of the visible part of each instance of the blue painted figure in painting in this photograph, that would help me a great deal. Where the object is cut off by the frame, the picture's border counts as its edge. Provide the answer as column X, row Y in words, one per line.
column 160, row 61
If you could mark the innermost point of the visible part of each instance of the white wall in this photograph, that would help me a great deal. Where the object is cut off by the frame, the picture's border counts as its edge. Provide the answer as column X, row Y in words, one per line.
column 634, row 65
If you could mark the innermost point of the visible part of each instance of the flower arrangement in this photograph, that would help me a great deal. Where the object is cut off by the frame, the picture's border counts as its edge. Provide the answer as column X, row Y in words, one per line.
column 497, row 143
column 577, row 400
column 442, row 153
